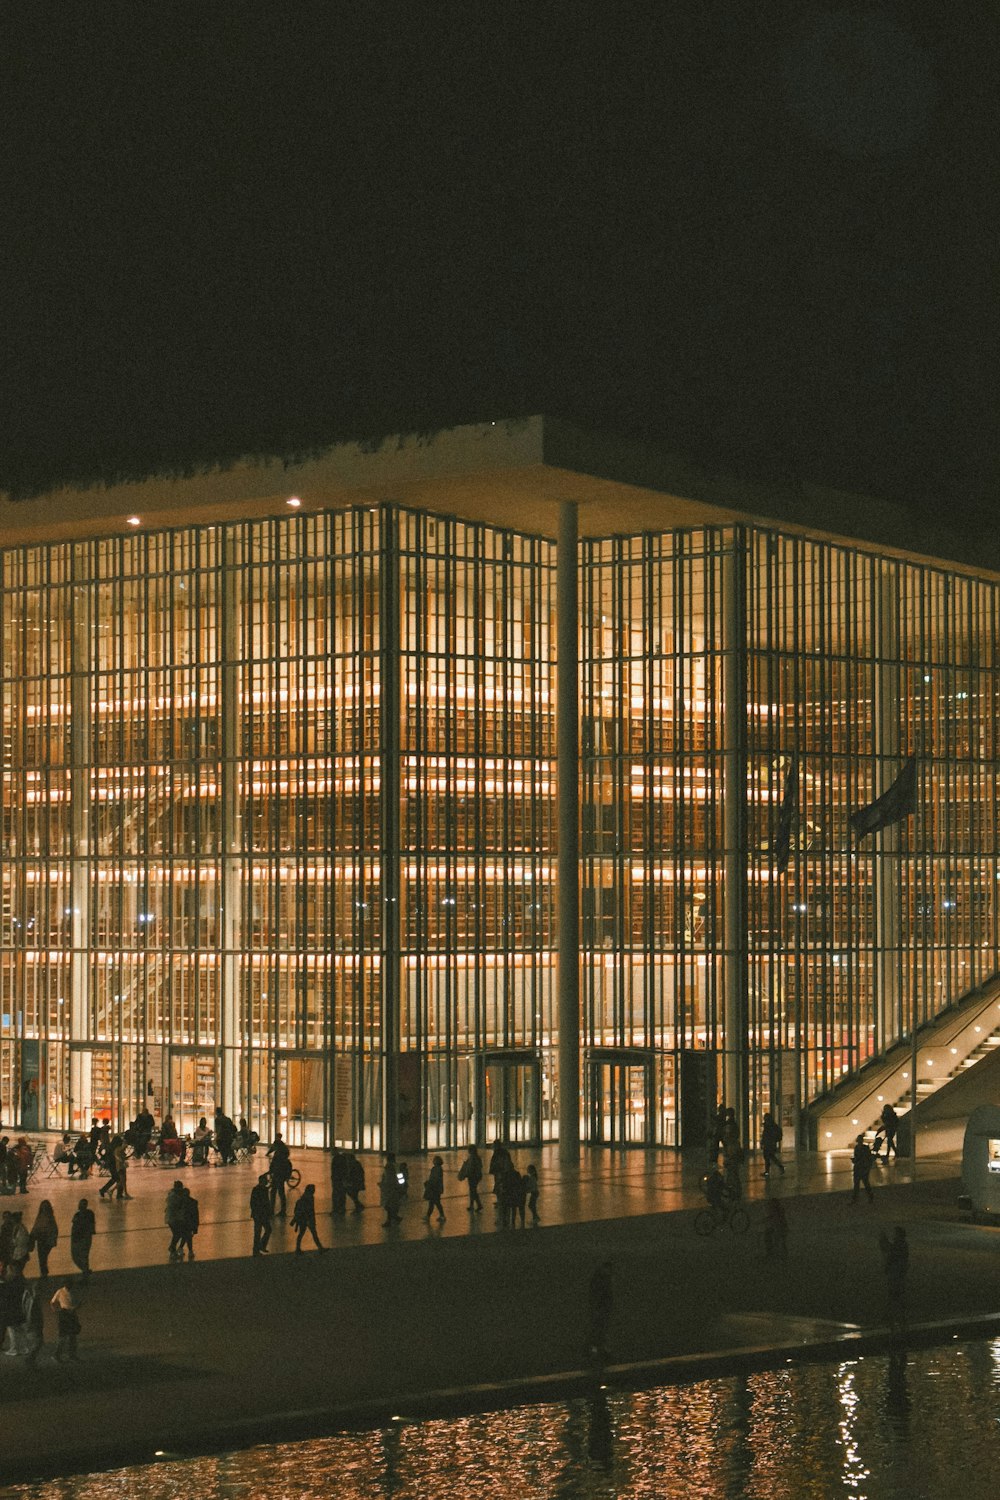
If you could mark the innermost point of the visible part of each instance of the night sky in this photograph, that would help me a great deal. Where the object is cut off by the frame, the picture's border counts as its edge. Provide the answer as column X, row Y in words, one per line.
column 762, row 233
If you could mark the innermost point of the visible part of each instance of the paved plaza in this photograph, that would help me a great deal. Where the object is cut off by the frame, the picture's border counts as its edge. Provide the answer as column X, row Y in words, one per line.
column 606, row 1185
column 231, row 1350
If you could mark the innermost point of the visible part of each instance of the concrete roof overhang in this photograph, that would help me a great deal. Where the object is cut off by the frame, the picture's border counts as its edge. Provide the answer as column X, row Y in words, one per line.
column 509, row 473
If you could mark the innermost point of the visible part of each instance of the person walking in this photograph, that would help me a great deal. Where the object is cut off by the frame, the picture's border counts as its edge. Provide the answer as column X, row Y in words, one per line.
column 261, row 1214
column 890, row 1125
column 33, row 1328
column 471, row 1173
column 600, row 1302
column 433, row 1189
column 111, row 1159
column 770, row 1144
column 81, row 1237
column 895, row 1263
column 775, row 1230
column 498, row 1167
column 390, row 1190
column 355, row 1181
column 732, row 1155
column 20, row 1242
column 44, row 1235
column 20, row 1155
column 531, row 1184
column 173, row 1215
column 338, row 1183
column 190, row 1222
column 861, row 1163
column 281, row 1171
column 304, row 1218
column 66, row 1302
column 121, row 1169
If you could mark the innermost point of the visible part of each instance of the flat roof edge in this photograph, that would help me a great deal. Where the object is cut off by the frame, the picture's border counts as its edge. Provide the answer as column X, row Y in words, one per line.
column 864, row 519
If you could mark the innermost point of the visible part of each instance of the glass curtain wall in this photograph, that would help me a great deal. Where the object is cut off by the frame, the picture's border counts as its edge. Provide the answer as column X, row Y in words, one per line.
column 477, row 796
column 279, row 824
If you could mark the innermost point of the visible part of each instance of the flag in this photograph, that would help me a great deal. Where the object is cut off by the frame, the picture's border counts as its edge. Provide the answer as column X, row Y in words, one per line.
column 783, row 834
column 898, row 802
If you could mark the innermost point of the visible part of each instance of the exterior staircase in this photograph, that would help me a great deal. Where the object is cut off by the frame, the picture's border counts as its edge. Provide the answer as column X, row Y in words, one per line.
column 958, row 1068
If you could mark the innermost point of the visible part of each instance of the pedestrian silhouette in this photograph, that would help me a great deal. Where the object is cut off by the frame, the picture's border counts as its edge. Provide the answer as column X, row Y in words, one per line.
column 81, row 1237
column 532, row 1186
column 861, row 1163
column 895, row 1263
column 304, row 1218
column 261, row 1214
column 890, row 1125
column 66, row 1301
column 471, row 1173
column 770, row 1144
column 433, row 1189
column 600, row 1301
column 775, row 1230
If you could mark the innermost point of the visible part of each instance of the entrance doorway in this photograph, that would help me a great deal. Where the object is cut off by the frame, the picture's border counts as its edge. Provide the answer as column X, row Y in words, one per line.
column 620, row 1085
column 194, row 1089
column 300, row 1096
column 509, row 1097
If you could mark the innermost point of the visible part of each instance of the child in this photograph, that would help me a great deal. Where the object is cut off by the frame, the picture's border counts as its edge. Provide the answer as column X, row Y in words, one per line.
column 532, row 1184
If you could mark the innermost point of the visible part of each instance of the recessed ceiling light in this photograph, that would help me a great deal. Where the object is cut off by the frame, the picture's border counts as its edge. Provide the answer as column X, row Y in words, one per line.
column 134, row 521
column 293, row 501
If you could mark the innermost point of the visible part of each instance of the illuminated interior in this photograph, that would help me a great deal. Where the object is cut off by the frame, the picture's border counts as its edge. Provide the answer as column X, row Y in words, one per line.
column 279, row 803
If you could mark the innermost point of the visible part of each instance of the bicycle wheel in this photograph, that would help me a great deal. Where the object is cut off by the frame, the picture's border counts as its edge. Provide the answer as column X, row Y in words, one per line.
column 295, row 1179
column 739, row 1221
column 704, row 1222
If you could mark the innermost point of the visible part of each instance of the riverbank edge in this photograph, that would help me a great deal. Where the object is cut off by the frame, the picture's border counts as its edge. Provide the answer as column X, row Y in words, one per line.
column 460, row 1401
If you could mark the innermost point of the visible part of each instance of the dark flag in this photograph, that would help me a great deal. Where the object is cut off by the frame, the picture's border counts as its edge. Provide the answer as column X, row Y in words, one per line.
column 898, row 802
column 783, row 834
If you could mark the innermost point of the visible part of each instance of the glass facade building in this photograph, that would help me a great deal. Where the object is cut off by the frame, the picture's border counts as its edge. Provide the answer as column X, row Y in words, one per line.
column 280, row 833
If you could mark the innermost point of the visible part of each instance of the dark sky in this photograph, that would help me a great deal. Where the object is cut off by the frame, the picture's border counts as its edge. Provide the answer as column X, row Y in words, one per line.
column 761, row 232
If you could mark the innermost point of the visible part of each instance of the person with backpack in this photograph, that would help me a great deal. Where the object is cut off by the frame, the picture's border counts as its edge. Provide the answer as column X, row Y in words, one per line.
column 471, row 1173
column 390, row 1190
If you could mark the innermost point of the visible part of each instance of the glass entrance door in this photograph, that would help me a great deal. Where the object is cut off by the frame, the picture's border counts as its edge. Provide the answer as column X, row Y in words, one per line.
column 510, row 1098
column 193, row 1089
column 301, row 1092
column 620, row 1097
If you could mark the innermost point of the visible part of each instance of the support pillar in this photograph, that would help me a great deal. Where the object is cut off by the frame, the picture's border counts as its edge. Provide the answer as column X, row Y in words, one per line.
column 231, row 841
column 80, row 1030
column 892, row 1023
column 568, row 779
column 389, row 720
column 734, row 721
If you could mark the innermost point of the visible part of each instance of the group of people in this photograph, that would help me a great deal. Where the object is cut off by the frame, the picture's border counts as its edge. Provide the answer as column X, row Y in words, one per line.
column 21, row 1300
column 15, row 1164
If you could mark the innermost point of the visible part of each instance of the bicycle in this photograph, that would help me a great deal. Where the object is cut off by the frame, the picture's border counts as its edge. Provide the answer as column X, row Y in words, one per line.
column 726, row 1210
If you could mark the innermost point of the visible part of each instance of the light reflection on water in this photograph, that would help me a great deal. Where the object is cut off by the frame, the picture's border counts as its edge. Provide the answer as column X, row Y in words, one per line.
column 919, row 1426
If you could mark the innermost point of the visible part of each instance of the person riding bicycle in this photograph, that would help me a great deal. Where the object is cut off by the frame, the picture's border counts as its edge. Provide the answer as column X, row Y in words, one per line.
column 713, row 1185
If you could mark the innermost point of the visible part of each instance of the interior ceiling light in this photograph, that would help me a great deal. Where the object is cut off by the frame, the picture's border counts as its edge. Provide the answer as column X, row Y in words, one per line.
column 134, row 521
column 293, row 501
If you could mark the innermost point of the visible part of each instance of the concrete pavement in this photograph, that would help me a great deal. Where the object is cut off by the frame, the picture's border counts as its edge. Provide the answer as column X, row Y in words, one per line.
column 232, row 1350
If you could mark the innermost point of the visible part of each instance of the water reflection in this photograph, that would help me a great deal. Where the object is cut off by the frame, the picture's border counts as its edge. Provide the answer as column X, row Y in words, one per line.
column 909, row 1425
